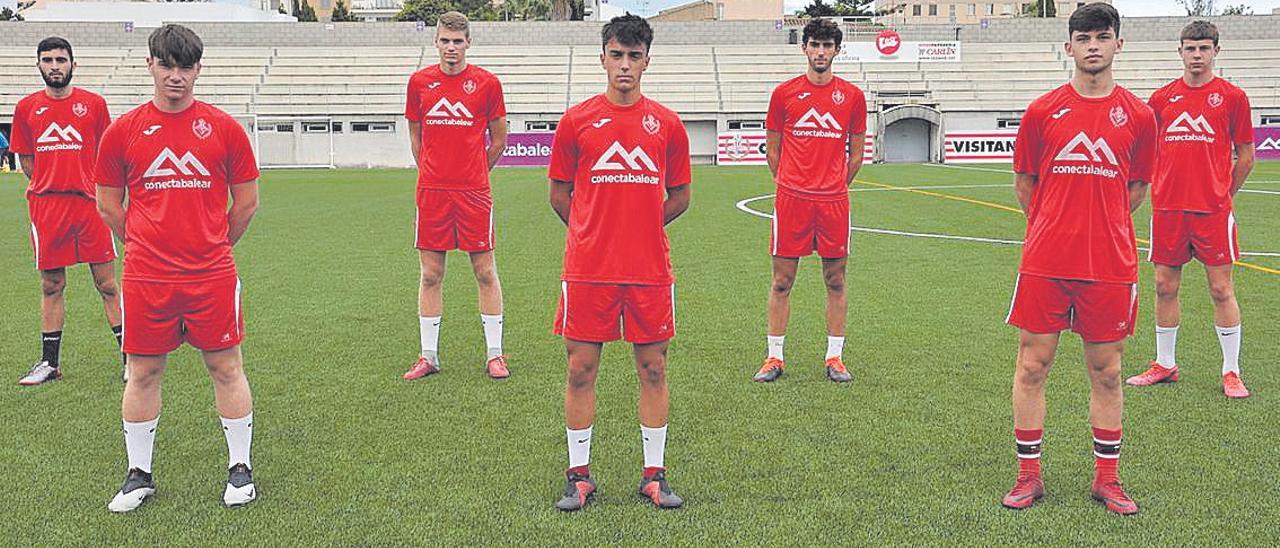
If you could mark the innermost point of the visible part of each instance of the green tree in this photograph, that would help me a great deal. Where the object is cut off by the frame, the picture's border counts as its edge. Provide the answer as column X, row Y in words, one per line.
column 7, row 14
column 527, row 10
column 1237, row 10
column 840, row 8
column 340, row 13
column 424, row 10
column 303, row 11
column 1041, row 8
column 1199, row 7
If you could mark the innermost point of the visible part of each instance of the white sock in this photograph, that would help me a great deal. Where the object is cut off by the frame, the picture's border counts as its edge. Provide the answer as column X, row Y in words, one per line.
column 835, row 347
column 139, row 441
column 655, row 444
column 239, row 434
column 775, row 345
column 579, row 446
column 430, row 332
column 1229, row 338
column 1166, row 341
column 492, row 334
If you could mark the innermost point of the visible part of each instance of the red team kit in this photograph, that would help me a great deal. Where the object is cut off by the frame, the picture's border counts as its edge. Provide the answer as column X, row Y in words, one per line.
column 1078, row 269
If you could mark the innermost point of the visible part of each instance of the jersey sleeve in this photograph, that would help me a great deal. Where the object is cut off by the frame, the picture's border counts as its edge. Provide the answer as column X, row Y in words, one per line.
column 111, row 168
column 776, row 118
column 412, row 102
column 1157, row 102
column 1241, row 119
column 104, row 118
column 679, row 172
column 242, row 166
column 19, row 133
column 859, row 122
column 564, row 150
column 497, row 104
column 1027, row 145
column 1144, row 151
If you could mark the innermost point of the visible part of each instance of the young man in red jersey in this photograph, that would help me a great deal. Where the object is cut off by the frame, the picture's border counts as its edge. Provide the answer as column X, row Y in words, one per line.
column 1085, row 154
column 450, row 107
column 1204, row 121
column 816, row 126
column 178, row 160
column 619, row 173
column 55, row 133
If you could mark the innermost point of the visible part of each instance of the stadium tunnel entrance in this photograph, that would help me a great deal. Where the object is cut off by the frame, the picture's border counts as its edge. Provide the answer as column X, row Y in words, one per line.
column 909, row 134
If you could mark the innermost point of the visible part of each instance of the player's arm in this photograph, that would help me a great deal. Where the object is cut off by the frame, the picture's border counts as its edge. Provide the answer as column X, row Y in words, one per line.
column 29, row 162
column 857, row 149
column 676, row 203
column 1239, row 171
column 244, row 203
column 497, row 140
column 111, row 208
column 773, row 150
column 415, row 139
column 562, row 198
column 1137, row 193
column 1023, row 185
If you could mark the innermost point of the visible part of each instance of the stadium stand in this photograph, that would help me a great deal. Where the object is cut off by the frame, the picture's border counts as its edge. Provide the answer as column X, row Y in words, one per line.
column 360, row 88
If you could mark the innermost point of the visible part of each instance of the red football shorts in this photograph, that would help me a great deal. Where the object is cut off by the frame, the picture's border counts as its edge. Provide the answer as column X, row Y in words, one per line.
column 66, row 229
column 454, row 219
column 1177, row 236
column 641, row 314
column 1098, row 311
column 801, row 226
column 159, row 316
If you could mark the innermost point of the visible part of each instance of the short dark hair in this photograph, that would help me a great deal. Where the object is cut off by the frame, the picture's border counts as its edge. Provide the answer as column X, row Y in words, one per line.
column 53, row 42
column 1200, row 30
column 1094, row 17
column 628, row 30
column 822, row 29
column 176, row 45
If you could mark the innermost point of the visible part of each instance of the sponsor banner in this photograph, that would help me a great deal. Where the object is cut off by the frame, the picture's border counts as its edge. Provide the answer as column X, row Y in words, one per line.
column 527, row 149
column 745, row 148
column 889, row 47
column 979, row 147
column 1266, row 141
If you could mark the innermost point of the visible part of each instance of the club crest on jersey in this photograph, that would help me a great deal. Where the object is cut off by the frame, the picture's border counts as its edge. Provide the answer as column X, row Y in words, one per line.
column 469, row 86
column 202, row 128
column 79, row 109
column 1118, row 116
column 651, row 124
column 1215, row 99
column 838, row 97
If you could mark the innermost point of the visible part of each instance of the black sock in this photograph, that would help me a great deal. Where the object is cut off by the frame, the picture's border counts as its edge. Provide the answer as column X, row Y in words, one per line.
column 52, row 344
column 118, row 331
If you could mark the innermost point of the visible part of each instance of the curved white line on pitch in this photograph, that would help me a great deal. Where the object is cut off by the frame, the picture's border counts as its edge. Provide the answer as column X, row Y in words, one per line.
column 742, row 206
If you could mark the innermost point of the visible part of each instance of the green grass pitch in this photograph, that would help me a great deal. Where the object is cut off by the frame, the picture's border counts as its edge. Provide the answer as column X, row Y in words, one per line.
column 917, row 450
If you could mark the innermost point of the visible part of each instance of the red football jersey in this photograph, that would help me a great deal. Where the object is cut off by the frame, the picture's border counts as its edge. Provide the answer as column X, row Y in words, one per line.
column 1198, row 128
column 177, row 169
column 455, row 112
column 621, row 160
column 815, row 123
column 1084, row 151
column 63, row 135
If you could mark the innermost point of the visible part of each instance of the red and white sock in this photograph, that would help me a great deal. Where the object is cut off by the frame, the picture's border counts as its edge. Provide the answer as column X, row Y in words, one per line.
column 1106, row 455
column 1028, row 442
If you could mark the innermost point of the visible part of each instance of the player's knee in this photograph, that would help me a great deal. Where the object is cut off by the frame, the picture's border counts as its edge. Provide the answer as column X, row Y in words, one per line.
column 653, row 373
column 835, row 282
column 1221, row 292
column 431, row 280
column 225, row 373
column 107, row 288
column 1032, row 370
column 582, row 376
column 144, row 376
column 1105, row 375
column 782, row 284
column 53, row 285
column 1167, row 287
column 486, row 277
